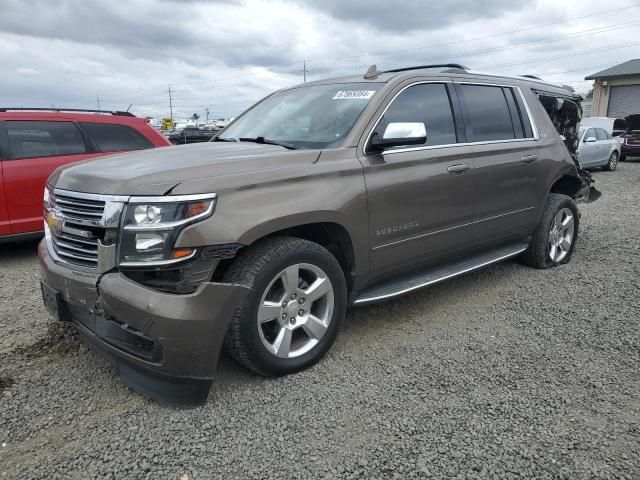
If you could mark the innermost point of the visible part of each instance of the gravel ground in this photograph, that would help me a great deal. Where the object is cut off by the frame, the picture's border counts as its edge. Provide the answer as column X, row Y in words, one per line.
column 505, row 373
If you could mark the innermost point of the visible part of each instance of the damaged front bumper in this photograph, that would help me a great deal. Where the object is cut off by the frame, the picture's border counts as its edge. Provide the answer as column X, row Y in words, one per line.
column 165, row 346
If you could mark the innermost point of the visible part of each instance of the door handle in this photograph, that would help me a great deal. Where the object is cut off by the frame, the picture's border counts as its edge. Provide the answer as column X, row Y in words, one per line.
column 460, row 168
column 529, row 159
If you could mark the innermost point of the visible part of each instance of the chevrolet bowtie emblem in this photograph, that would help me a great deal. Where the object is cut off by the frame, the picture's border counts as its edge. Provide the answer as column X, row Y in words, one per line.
column 53, row 222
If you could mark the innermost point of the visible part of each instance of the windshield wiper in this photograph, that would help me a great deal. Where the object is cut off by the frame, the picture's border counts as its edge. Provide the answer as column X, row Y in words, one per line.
column 266, row 141
column 221, row 139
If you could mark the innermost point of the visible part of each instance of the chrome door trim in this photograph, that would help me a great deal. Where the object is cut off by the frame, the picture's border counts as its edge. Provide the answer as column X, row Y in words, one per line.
column 534, row 127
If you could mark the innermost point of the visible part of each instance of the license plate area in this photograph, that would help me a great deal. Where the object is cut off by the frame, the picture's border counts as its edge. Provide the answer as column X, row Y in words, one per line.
column 53, row 303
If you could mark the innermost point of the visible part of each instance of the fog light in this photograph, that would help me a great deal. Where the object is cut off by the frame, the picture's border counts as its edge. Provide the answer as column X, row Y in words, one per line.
column 150, row 241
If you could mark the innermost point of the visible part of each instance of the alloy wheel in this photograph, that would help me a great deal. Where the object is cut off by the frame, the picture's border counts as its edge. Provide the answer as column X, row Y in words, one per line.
column 561, row 235
column 613, row 161
column 295, row 310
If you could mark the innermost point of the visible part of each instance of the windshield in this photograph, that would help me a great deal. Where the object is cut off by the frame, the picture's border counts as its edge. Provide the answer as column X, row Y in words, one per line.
column 317, row 116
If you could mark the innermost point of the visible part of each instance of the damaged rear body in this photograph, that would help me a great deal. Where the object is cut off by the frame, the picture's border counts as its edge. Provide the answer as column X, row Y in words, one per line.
column 565, row 112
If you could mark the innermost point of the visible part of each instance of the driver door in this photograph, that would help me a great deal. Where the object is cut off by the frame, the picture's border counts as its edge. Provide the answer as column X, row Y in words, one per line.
column 420, row 197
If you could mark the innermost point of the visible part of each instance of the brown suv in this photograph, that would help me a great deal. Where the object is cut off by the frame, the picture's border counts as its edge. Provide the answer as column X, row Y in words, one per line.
column 329, row 194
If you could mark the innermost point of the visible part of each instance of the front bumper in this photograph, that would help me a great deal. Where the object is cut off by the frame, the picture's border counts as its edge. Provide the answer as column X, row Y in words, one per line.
column 162, row 345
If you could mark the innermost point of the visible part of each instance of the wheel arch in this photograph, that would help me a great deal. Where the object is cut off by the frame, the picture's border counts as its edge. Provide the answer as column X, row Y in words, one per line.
column 568, row 185
column 327, row 232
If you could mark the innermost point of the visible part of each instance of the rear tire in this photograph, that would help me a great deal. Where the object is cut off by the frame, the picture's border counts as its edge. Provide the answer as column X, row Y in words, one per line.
column 612, row 164
column 556, row 235
column 294, row 309
column 623, row 158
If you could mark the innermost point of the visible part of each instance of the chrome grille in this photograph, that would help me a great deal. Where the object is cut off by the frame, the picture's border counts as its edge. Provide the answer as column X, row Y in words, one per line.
column 78, row 250
column 79, row 209
column 77, row 225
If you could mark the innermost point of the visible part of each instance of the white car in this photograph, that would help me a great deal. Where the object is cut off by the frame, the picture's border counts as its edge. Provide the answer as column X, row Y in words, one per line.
column 597, row 148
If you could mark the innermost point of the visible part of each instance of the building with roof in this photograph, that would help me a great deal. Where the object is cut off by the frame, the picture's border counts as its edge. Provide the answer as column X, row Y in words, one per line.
column 616, row 90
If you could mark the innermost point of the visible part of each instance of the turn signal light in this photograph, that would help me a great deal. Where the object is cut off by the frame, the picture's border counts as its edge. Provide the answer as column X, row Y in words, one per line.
column 181, row 252
column 196, row 208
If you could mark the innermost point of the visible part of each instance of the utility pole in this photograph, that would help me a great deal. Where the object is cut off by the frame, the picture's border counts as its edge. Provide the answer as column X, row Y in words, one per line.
column 304, row 71
column 207, row 110
column 170, row 104
column 98, row 98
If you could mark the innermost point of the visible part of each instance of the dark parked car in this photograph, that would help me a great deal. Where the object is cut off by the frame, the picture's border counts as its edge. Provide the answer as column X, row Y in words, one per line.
column 331, row 194
column 34, row 142
column 190, row 135
column 630, row 145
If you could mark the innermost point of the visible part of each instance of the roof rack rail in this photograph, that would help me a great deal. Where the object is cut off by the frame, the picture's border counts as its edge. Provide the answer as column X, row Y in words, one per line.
column 531, row 76
column 435, row 65
column 52, row 109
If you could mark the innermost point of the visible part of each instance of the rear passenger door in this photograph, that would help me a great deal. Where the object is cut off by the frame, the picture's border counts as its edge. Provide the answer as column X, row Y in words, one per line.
column 508, row 172
column 36, row 149
column 604, row 143
column 420, row 197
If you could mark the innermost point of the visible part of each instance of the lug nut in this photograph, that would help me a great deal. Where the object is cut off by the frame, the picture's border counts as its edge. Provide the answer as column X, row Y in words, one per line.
column 300, row 312
column 284, row 316
column 293, row 297
column 284, row 304
column 301, row 301
column 292, row 320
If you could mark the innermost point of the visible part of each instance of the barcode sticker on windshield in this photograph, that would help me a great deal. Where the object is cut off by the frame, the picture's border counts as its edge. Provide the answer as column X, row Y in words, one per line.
column 354, row 94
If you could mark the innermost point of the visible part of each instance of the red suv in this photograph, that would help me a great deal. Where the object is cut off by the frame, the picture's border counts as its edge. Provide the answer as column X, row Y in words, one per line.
column 34, row 142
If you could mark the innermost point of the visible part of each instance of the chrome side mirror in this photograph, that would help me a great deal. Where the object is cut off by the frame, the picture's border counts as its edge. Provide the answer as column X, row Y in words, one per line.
column 399, row 134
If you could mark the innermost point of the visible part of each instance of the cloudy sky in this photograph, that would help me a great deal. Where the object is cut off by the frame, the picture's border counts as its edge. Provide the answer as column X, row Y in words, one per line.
column 226, row 54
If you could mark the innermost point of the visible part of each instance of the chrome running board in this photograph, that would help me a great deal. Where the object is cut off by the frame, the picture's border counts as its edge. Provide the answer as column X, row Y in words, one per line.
column 407, row 283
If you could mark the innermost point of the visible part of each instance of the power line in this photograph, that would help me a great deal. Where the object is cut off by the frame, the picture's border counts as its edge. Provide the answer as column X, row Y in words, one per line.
column 588, row 32
column 470, row 53
column 438, row 45
column 564, row 56
column 388, row 52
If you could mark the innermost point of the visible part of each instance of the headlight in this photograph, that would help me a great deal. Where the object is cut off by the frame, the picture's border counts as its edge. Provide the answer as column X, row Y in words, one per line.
column 152, row 224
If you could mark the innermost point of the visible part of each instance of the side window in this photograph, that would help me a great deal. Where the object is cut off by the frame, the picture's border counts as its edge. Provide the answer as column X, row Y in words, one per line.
column 487, row 116
column 601, row 134
column 427, row 103
column 591, row 133
column 30, row 139
column 116, row 138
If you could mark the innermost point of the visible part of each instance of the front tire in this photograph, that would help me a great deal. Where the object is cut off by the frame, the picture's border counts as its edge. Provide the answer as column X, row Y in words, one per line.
column 555, row 237
column 294, row 309
column 612, row 164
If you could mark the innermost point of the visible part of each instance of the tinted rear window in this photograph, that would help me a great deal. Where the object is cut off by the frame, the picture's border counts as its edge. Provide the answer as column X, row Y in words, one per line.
column 487, row 116
column 116, row 138
column 32, row 139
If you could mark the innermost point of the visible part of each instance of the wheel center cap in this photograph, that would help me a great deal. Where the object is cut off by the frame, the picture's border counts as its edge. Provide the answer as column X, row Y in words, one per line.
column 292, row 308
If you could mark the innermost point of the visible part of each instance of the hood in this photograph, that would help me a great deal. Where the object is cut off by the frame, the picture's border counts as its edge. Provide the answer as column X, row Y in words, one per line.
column 158, row 170
column 633, row 122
